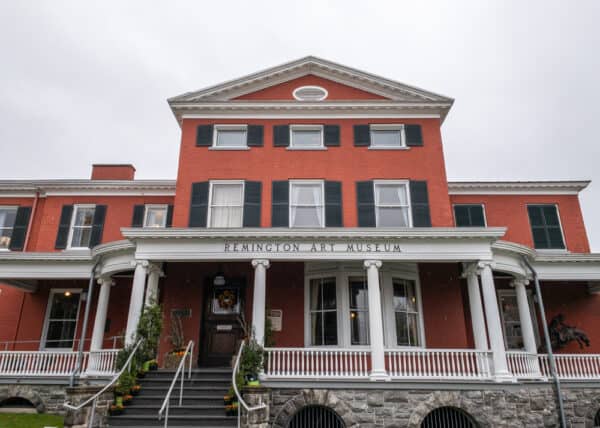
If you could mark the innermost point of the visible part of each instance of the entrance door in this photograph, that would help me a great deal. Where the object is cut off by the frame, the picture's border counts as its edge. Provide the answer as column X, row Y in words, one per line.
column 221, row 329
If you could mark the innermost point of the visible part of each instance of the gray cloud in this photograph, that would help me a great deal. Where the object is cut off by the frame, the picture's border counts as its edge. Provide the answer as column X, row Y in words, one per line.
column 84, row 82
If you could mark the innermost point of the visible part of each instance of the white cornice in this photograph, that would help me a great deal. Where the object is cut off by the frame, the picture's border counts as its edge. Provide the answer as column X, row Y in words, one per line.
column 554, row 187
column 28, row 188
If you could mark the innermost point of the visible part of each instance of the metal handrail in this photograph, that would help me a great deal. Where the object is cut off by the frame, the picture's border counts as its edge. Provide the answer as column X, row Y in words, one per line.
column 189, row 351
column 94, row 397
column 235, row 389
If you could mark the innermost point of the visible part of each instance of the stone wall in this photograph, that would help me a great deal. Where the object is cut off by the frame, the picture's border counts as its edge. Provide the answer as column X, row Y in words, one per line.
column 49, row 398
column 507, row 406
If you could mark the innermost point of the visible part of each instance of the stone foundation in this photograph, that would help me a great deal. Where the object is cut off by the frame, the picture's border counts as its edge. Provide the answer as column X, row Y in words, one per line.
column 49, row 398
column 496, row 406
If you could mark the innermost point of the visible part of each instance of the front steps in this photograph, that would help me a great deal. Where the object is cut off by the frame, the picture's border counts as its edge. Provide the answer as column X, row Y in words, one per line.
column 202, row 404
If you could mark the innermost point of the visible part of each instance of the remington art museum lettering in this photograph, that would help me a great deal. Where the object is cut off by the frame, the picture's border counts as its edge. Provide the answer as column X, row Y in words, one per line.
column 311, row 247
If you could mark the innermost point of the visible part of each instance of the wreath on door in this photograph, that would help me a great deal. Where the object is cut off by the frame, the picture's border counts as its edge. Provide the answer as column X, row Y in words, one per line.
column 227, row 299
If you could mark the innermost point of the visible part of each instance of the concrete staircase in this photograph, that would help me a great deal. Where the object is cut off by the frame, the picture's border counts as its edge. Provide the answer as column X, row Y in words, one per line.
column 202, row 401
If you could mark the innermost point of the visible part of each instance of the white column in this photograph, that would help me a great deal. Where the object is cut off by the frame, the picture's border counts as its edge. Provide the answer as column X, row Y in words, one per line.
column 378, row 371
column 260, row 299
column 476, row 308
column 152, row 288
column 101, row 310
column 525, row 315
column 492, row 314
column 136, row 300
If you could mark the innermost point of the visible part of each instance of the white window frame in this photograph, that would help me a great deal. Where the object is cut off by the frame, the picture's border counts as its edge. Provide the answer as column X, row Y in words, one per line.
column 54, row 291
column 148, row 207
column 307, row 127
column 404, row 183
column 311, row 182
column 470, row 204
column 8, row 207
column 562, row 232
column 513, row 293
column 388, row 127
column 210, row 203
column 342, row 272
column 71, row 227
column 229, row 127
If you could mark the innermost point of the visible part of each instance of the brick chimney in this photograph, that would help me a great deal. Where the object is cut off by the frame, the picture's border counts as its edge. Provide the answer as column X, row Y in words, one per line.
column 107, row 171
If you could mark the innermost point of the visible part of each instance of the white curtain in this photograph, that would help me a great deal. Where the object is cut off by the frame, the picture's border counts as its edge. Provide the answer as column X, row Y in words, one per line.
column 392, row 205
column 226, row 205
column 307, row 208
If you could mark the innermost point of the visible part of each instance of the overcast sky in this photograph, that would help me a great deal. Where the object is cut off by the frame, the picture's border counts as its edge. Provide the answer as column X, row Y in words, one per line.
column 84, row 82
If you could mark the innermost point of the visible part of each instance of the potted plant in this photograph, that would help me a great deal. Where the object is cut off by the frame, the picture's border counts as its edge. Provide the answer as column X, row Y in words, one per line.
column 251, row 363
column 127, row 398
column 232, row 409
column 229, row 397
column 116, row 409
column 136, row 389
column 153, row 365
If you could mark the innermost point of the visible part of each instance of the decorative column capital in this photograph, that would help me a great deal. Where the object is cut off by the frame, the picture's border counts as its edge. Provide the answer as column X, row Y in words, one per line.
column 470, row 269
column 105, row 280
column 260, row 262
column 155, row 268
column 372, row 263
column 518, row 282
column 142, row 263
column 482, row 264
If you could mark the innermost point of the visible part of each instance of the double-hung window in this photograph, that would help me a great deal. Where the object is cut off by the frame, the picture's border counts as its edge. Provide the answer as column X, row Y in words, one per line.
column 387, row 136
column 306, row 136
column 226, row 204
column 155, row 215
column 392, row 207
column 406, row 312
column 359, row 310
column 7, row 222
column 81, row 226
column 307, row 204
column 545, row 227
column 61, row 319
column 323, row 311
column 469, row 215
column 230, row 136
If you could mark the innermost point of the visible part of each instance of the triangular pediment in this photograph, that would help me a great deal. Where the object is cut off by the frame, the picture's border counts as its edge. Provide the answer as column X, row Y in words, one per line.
column 342, row 84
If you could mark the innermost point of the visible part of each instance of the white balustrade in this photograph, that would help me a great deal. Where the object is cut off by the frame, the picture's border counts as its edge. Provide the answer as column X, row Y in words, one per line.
column 55, row 363
column 573, row 366
column 523, row 365
column 438, row 364
column 317, row 363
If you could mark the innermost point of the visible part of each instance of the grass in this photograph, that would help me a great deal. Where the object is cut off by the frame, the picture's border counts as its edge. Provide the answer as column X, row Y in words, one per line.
column 30, row 420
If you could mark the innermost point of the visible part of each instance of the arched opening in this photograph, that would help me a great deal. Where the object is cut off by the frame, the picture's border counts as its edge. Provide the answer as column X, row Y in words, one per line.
column 17, row 405
column 448, row 417
column 597, row 419
column 316, row 417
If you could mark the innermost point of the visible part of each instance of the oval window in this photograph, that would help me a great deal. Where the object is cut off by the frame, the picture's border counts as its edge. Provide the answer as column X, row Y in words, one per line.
column 310, row 93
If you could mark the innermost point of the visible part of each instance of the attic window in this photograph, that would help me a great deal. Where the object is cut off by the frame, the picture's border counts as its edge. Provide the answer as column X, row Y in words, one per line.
column 310, row 93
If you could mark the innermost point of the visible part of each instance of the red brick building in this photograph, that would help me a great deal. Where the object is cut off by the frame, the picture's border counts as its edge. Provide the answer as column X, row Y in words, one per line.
column 314, row 194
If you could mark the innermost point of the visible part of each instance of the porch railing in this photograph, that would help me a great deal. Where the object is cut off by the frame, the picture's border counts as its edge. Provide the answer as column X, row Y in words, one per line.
column 56, row 363
column 457, row 364
column 524, row 365
column 573, row 366
column 317, row 363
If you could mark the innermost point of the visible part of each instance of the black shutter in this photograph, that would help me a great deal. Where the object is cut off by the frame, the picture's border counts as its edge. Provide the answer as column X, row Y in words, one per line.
column 365, row 201
column 545, row 227
column 414, row 137
column 97, row 225
column 362, row 135
column 138, row 216
column 252, row 196
column 17, row 240
column 255, row 135
column 281, row 135
column 280, row 204
column 63, row 227
column 199, row 204
column 204, row 135
column 331, row 135
column 419, row 201
column 477, row 217
column 333, row 204
column 169, row 216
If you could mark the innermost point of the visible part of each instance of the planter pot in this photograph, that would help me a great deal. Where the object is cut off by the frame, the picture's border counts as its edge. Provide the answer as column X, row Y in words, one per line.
column 153, row 366
column 115, row 411
column 172, row 361
column 227, row 400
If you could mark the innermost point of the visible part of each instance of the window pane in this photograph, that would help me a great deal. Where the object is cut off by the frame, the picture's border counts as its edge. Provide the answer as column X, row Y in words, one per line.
column 359, row 327
column 60, row 334
column 386, row 138
column 556, row 239
column 226, row 205
column 226, row 217
column 539, row 237
column 306, row 194
column 156, row 217
column 402, row 329
column 330, row 328
column 392, row 217
column 412, row 329
column 477, row 219
column 231, row 138
column 84, row 216
column 81, row 237
column 306, row 138
column 550, row 215
column 227, row 194
column 7, row 217
column 359, row 298
column 307, row 216
column 535, row 215
column 400, row 303
column 329, row 293
column 5, row 235
column 461, row 216
column 406, row 312
column 390, row 194
column 63, row 306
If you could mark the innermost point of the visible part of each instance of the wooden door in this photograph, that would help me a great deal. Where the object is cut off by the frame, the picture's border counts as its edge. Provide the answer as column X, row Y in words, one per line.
column 221, row 330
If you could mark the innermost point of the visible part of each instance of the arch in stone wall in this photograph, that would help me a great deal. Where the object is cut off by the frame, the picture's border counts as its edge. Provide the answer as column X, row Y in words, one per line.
column 314, row 397
column 439, row 399
column 25, row 392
